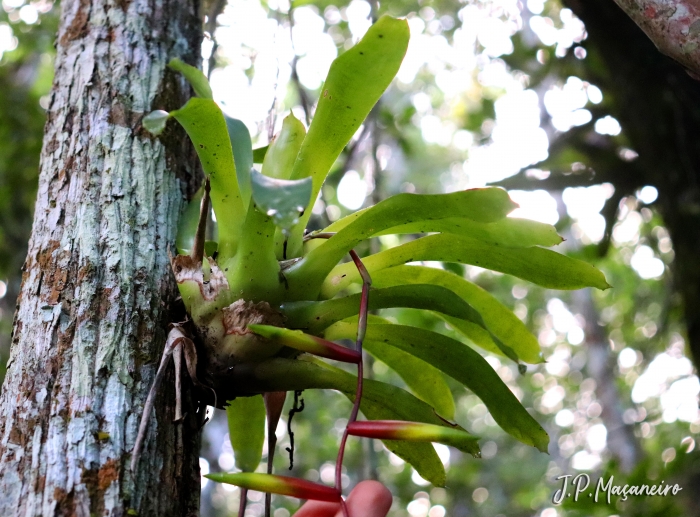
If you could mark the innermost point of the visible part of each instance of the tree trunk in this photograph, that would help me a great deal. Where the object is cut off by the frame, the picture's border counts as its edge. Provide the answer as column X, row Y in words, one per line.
column 96, row 293
column 622, row 444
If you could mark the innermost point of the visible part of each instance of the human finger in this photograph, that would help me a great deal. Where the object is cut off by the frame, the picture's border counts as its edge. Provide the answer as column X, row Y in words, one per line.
column 368, row 499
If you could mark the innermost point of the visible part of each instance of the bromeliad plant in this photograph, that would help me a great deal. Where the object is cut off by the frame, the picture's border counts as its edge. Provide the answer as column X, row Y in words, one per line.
column 266, row 300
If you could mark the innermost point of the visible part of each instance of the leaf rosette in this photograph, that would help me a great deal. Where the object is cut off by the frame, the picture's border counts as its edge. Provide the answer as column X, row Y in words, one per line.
column 266, row 300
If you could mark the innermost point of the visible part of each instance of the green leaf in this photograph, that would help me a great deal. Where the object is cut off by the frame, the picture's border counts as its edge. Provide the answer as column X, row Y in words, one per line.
column 194, row 76
column 482, row 338
column 278, row 163
column 282, row 152
column 483, row 205
column 509, row 231
column 540, row 266
column 210, row 247
column 246, row 429
column 253, row 274
column 380, row 401
column 242, row 154
column 282, row 200
column 187, row 228
column 259, row 154
column 468, row 367
column 424, row 380
column 500, row 320
column 206, row 126
column 355, row 82
column 155, row 121
column 315, row 316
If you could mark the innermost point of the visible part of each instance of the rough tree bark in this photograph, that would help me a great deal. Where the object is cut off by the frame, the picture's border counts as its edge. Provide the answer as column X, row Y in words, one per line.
column 96, row 292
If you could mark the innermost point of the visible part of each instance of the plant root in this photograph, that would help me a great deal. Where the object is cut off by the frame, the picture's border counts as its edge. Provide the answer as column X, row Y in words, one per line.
column 296, row 408
column 174, row 338
column 177, row 345
column 274, row 401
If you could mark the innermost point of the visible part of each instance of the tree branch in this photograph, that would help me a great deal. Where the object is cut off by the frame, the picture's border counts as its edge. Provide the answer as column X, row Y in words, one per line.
column 672, row 25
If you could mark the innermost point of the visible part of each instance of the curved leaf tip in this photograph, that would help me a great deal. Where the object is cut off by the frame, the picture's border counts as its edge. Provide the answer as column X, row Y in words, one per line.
column 194, row 76
column 246, row 425
column 355, row 82
column 155, row 121
column 283, row 200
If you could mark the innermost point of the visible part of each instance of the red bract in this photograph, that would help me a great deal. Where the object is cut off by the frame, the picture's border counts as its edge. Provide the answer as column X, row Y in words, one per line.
column 307, row 343
column 392, row 429
column 416, row 432
column 281, row 485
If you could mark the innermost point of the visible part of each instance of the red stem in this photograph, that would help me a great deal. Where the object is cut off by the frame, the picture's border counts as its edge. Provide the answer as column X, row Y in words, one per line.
column 361, row 330
column 244, row 501
column 353, row 417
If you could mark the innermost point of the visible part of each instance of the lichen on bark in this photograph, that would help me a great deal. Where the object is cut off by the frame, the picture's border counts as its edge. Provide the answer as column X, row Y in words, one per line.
column 97, row 290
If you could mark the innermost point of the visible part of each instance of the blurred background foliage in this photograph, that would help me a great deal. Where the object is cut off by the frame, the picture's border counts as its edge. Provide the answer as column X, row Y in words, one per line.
column 569, row 106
